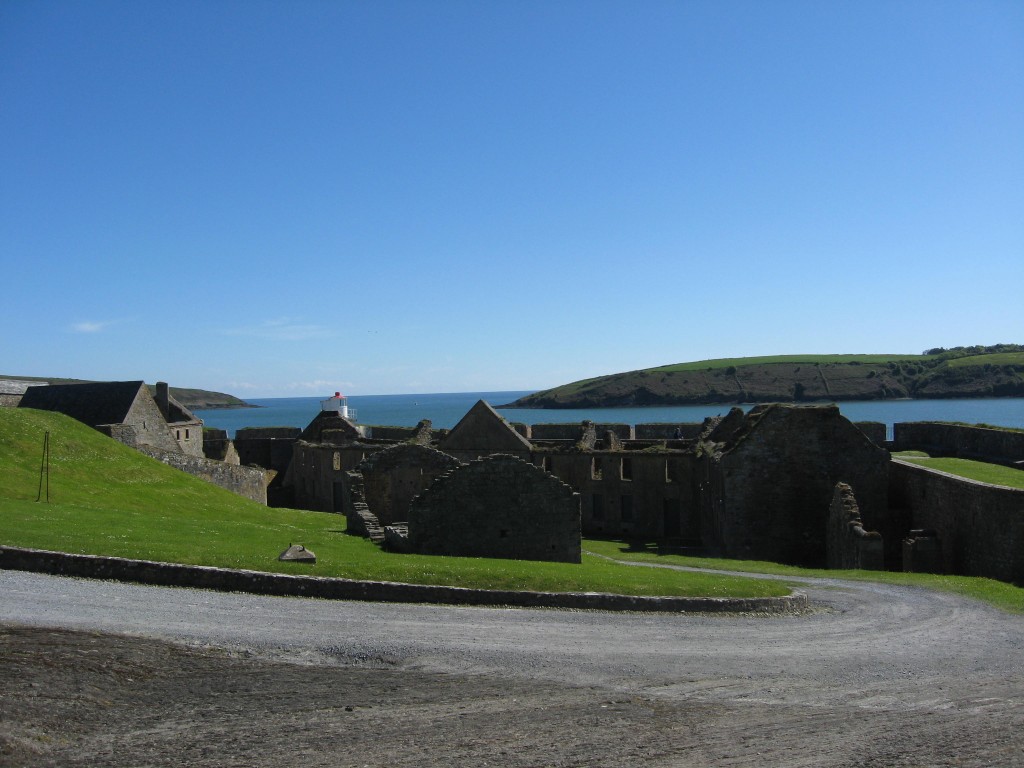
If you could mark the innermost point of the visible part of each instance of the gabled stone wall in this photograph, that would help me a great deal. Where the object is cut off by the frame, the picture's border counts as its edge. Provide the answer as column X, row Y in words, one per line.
column 774, row 480
column 150, row 426
column 499, row 506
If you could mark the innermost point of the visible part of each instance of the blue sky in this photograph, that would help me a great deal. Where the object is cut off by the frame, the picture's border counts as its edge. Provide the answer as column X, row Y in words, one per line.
column 293, row 198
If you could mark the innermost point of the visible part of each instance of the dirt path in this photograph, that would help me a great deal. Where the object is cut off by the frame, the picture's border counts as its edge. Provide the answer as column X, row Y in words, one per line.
column 880, row 676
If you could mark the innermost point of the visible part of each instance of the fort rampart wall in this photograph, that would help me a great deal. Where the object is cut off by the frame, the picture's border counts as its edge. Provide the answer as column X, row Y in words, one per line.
column 1001, row 446
column 980, row 527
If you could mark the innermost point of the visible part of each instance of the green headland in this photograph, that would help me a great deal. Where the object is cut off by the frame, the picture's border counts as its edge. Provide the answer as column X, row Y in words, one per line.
column 960, row 372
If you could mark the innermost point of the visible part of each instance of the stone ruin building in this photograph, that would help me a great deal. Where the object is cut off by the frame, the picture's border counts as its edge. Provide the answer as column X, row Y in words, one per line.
column 786, row 483
column 796, row 484
column 758, row 485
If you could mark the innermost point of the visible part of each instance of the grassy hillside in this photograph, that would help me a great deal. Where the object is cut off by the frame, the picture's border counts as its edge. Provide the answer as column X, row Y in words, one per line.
column 961, row 372
column 107, row 499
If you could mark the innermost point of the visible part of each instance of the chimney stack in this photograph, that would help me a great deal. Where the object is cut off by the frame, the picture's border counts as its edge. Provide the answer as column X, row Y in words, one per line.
column 163, row 398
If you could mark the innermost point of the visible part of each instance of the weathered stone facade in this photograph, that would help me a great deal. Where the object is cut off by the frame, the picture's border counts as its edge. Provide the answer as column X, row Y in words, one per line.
column 765, row 493
column 498, row 506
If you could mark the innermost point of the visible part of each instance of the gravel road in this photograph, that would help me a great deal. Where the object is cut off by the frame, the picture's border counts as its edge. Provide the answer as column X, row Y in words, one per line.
column 102, row 673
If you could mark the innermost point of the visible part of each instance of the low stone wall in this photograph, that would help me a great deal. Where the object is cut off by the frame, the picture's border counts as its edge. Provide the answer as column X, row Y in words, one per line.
column 249, row 482
column 1002, row 446
column 980, row 527
column 174, row 575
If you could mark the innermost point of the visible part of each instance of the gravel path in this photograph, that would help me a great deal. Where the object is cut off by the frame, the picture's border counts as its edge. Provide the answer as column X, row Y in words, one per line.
column 876, row 676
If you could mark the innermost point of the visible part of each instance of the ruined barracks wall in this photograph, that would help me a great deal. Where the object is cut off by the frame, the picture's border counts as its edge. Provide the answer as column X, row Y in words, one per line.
column 319, row 473
column 218, row 447
column 666, row 431
column 267, row 447
column 766, row 495
column 498, row 506
column 999, row 446
column 848, row 545
column 630, row 494
column 980, row 527
column 392, row 477
column 573, row 431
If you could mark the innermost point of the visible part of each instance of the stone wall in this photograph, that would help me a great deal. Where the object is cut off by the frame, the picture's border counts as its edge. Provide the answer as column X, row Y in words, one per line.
column 318, row 472
column 149, row 424
column 499, row 506
column 876, row 431
column 392, row 477
column 980, row 528
column 249, row 482
column 270, row 448
column 634, row 495
column 999, row 446
column 848, row 545
column 573, row 431
column 666, row 431
column 218, row 447
column 774, row 481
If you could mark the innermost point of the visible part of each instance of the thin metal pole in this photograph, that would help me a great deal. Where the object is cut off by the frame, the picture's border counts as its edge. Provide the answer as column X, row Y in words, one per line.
column 44, row 468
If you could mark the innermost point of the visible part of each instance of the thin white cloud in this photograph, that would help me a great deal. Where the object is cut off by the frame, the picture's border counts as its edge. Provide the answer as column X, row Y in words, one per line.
column 91, row 326
column 282, row 329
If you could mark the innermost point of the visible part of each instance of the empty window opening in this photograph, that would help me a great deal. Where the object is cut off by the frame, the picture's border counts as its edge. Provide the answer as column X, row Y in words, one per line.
column 626, row 469
column 597, row 507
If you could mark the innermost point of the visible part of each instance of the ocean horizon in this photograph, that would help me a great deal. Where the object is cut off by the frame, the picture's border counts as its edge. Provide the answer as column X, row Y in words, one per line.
column 444, row 410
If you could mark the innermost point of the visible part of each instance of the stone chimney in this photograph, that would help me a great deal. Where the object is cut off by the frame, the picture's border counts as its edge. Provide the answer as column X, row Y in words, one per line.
column 163, row 398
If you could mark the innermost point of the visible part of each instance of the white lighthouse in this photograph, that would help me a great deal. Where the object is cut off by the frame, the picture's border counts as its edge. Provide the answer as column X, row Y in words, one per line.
column 338, row 404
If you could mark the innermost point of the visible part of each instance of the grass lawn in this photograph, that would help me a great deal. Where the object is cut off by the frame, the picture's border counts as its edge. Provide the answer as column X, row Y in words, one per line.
column 997, row 593
column 107, row 499
column 995, row 474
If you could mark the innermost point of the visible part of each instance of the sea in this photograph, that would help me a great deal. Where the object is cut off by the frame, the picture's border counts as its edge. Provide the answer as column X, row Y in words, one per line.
column 445, row 411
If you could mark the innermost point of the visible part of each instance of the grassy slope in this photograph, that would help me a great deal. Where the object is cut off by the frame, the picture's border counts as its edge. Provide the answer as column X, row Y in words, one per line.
column 107, row 499
column 993, row 474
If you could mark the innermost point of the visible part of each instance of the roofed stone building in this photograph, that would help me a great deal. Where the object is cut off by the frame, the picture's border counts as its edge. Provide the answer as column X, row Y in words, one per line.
column 125, row 410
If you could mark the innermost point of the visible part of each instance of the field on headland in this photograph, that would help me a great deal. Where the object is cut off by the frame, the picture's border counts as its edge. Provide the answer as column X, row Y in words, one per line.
column 962, row 372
